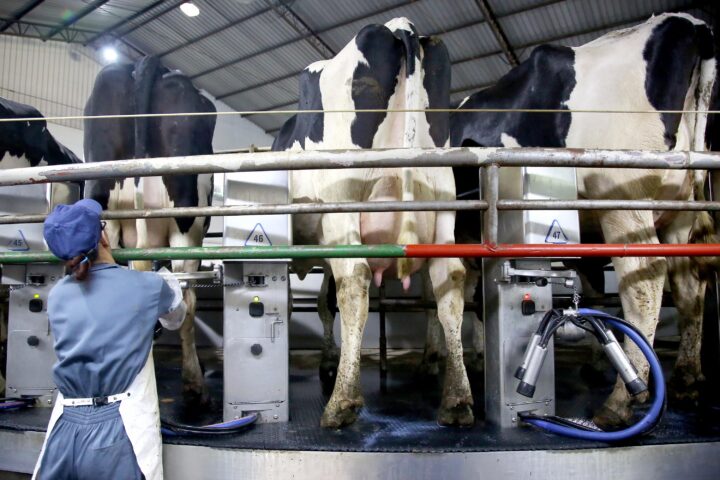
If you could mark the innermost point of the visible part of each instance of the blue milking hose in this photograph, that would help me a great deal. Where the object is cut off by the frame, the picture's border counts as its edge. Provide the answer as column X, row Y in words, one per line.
column 656, row 409
column 233, row 426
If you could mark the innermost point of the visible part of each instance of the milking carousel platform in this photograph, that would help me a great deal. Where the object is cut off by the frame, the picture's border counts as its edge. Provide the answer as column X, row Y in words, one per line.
column 396, row 435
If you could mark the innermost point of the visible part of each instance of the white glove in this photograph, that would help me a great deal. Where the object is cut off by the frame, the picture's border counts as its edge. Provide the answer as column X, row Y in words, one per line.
column 173, row 318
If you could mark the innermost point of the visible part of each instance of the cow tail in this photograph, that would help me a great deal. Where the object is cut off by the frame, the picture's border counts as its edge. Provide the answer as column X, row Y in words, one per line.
column 703, row 228
column 405, row 31
column 408, row 224
column 146, row 70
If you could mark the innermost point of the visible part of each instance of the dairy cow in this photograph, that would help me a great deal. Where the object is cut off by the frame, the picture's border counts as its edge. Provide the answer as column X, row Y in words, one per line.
column 384, row 67
column 148, row 87
column 666, row 63
column 28, row 144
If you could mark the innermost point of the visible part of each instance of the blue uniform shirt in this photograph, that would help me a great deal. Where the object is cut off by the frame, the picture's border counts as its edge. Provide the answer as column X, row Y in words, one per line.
column 103, row 328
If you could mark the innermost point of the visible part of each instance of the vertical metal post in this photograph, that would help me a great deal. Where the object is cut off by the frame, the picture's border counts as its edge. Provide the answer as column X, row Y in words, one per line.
column 383, row 340
column 710, row 348
column 489, row 182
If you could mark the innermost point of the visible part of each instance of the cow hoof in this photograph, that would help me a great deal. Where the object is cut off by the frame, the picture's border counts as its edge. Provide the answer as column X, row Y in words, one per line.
column 608, row 419
column 197, row 396
column 684, row 389
column 460, row 415
column 341, row 413
column 642, row 397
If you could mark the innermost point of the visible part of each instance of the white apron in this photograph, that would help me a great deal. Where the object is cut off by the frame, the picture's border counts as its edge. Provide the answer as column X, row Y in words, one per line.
column 140, row 413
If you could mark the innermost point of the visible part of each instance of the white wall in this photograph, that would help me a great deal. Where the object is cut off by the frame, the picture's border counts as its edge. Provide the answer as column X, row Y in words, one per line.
column 232, row 132
column 54, row 77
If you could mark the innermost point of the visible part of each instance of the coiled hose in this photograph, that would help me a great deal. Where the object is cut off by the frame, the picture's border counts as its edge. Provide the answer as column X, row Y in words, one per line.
column 645, row 425
column 172, row 429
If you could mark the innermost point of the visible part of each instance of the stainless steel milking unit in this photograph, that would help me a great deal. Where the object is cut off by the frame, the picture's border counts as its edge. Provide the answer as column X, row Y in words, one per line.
column 256, row 302
column 518, row 292
column 30, row 353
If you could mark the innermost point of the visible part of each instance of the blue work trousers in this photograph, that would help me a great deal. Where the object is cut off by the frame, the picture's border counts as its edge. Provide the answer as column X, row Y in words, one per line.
column 89, row 443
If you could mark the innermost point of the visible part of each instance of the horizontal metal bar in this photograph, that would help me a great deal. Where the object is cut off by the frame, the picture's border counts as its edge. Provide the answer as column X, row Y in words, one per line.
column 196, row 276
column 389, row 251
column 656, row 205
column 457, row 205
column 343, row 159
column 252, row 209
column 562, row 251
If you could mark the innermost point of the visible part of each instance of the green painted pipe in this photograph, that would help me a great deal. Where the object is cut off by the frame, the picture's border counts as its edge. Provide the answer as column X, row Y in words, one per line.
column 226, row 253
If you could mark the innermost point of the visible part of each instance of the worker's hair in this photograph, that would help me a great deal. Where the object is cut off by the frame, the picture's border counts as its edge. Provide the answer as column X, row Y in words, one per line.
column 80, row 266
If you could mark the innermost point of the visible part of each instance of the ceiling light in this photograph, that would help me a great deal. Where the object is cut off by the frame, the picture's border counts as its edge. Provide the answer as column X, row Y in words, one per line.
column 110, row 54
column 190, row 9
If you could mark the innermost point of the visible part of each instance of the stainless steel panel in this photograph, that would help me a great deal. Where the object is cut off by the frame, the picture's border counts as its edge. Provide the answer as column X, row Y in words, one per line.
column 23, row 199
column 30, row 341
column 252, row 188
column 507, row 333
column 538, row 226
column 256, row 347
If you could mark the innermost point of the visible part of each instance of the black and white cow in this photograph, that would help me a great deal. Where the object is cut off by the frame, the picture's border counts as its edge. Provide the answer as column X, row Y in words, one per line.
column 666, row 63
column 382, row 67
column 28, row 144
column 147, row 87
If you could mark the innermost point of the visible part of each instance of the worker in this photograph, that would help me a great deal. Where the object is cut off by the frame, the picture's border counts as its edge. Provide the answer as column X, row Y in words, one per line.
column 105, row 422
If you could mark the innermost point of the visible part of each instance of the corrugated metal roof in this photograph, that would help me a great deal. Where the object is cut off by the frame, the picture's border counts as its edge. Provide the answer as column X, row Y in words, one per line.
column 247, row 46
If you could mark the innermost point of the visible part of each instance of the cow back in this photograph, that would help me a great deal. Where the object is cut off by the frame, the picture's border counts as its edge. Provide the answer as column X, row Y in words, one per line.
column 383, row 67
column 30, row 140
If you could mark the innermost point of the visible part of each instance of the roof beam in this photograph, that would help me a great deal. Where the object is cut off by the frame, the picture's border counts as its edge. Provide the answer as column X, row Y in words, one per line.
column 91, row 7
column 257, row 85
column 19, row 14
column 284, row 77
column 299, row 25
column 125, row 21
column 497, row 30
column 24, row 28
column 211, row 33
column 554, row 39
column 295, row 40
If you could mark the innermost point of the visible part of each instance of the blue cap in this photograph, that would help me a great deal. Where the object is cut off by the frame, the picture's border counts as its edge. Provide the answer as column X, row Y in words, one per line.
column 72, row 230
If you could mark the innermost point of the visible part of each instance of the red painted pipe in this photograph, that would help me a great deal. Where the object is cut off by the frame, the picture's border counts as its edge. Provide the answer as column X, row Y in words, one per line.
column 564, row 251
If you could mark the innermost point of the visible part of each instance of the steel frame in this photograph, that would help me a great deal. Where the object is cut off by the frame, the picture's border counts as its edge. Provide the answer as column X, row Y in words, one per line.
column 20, row 13
column 489, row 160
column 91, row 7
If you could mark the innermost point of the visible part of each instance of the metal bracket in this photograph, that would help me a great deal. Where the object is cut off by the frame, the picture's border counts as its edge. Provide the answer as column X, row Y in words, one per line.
column 544, row 401
column 508, row 272
column 276, row 321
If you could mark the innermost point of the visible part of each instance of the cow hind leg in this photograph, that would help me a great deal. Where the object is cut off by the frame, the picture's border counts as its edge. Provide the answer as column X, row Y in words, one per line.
column 193, row 380
column 640, row 283
column 327, row 306
column 430, row 364
column 352, row 277
column 688, row 291
column 474, row 292
column 448, row 278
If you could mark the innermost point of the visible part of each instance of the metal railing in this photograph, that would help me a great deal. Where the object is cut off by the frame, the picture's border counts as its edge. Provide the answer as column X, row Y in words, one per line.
column 488, row 160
